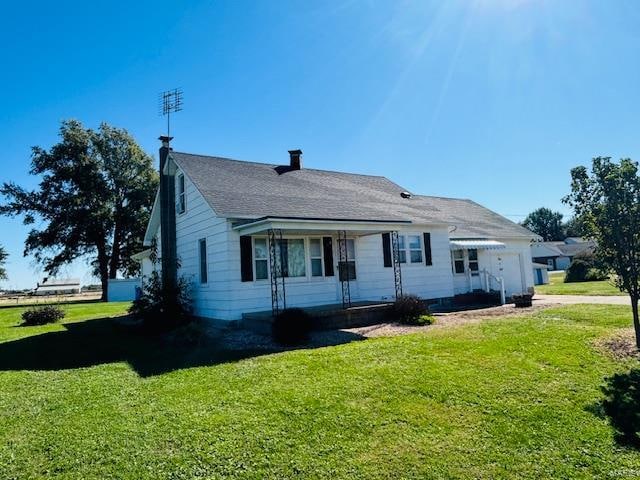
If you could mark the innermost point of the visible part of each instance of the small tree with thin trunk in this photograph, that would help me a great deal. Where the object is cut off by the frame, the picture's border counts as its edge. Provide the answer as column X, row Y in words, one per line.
column 607, row 204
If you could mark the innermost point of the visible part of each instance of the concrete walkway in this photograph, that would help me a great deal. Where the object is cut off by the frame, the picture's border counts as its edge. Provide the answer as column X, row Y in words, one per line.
column 573, row 299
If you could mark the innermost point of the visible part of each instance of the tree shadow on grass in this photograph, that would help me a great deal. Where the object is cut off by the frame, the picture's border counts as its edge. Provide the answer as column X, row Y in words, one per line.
column 621, row 406
column 108, row 340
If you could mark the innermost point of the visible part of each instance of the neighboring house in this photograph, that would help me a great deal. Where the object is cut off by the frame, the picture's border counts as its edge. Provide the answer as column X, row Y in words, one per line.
column 540, row 273
column 58, row 287
column 558, row 255
column 255, row 237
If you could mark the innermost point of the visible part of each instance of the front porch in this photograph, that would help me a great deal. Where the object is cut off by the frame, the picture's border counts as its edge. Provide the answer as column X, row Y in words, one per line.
column 295, row 252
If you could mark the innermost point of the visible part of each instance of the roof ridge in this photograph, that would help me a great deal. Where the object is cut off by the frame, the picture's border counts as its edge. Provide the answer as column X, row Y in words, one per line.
column 280, row 165
column 444, row 198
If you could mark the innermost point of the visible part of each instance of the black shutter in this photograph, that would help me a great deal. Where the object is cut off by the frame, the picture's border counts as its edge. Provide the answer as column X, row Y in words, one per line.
column 386, row 249
column 327, row 247
column 428, row 260
column 246, row 258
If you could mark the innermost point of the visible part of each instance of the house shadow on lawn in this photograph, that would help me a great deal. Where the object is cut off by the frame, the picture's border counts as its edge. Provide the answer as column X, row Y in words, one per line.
column 621, row 406
column 109, row 340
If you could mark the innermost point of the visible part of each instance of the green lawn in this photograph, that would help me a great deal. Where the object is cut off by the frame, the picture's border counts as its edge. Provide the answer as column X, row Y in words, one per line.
column 557, row 286
column 505, row 398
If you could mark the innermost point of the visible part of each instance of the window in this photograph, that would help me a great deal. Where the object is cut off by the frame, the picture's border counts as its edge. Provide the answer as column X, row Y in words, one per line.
column 181, row 203
column 458, row 261
column 473, row 261
column 402, row 250
column 202, row 243
column 315, row 252
column 290, row 258
column 261, row 255
column 414, row 248
column 347, row 270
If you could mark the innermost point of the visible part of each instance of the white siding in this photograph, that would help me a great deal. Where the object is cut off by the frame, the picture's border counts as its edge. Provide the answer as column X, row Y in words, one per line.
column 255, row 296
column 374, row 281
column 199, row 221
column 514, row 264
column 146, row 267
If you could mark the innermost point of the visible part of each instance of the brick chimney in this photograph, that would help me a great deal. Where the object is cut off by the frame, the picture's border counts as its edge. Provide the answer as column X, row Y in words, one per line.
column 295, row 159
column 168, row 253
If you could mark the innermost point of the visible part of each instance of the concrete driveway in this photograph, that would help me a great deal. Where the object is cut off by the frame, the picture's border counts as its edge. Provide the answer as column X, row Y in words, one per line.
column 573, row 299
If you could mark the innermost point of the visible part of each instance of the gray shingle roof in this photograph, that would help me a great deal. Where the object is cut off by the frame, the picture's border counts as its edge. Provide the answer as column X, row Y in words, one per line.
column 242, row 189
column 573, row 249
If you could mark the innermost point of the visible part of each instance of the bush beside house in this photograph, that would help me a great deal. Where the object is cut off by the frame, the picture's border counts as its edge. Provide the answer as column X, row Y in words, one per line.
column 162, row 307
column 584, row 268
column 411, row 310
column 291, row 326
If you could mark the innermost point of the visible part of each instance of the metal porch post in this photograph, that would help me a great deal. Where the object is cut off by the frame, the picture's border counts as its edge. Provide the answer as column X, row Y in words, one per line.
column 343, row 268
column 278, row 292
column 397, row 271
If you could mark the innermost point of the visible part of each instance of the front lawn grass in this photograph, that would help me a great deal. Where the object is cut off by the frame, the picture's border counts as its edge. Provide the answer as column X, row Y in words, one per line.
column 10, row 317
column 505, row 398
column 557, row 286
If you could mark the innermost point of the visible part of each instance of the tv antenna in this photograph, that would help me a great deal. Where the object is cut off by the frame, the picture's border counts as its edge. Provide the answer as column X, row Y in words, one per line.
column 170, row 102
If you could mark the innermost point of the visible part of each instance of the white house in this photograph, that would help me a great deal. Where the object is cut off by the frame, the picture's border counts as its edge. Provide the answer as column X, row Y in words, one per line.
column 255, row 237
column 559, row 255
column 64, row 286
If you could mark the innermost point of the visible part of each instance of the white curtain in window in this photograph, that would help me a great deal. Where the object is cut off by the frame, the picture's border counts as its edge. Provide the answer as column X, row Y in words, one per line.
column 293, row 251
column 296, row 258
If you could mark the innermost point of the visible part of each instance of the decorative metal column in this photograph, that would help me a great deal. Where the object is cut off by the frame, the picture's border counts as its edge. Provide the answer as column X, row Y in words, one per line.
column 343, row 268
column 397, row 272
column 278, row 292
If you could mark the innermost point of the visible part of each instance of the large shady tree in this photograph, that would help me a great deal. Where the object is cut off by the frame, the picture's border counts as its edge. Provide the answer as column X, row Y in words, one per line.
column 607, row 204
column 94, row 199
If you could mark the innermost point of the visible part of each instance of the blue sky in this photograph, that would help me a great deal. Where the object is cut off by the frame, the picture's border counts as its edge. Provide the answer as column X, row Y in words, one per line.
column 493, row 100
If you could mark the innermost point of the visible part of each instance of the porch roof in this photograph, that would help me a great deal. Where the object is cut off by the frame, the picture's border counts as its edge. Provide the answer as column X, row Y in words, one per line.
column 477, row 244
column 320, row 226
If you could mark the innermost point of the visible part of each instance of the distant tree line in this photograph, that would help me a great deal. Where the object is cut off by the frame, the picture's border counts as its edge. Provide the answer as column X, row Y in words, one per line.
column 549, row 225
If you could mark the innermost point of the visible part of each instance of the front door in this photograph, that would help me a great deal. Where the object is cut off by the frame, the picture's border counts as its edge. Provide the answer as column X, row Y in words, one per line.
column 347, row 271
column 511, row 271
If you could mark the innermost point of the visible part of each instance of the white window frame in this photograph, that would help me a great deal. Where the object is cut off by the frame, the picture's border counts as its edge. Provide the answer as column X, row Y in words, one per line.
column 311, row 258
column 181, row 196
column 466, row 262
column 476, row 261
column 420, row 249
column 353, row 258
column 255, row 259
column 454, row 259
column 307, row 262
column 407, row 250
